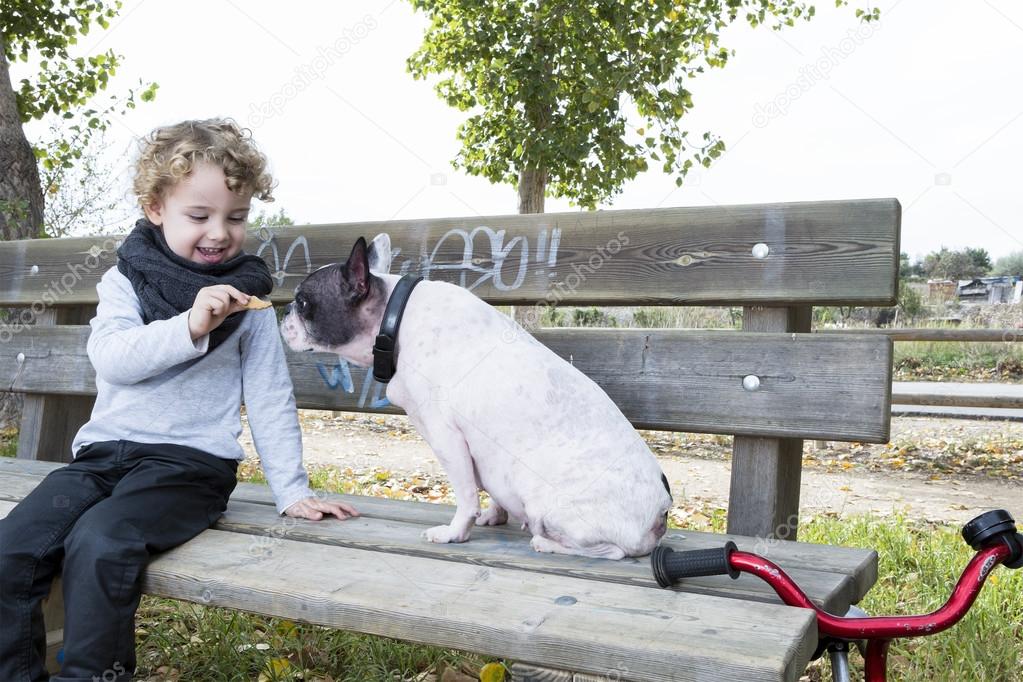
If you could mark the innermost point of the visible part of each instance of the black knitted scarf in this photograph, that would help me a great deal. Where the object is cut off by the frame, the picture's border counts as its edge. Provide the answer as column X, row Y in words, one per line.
column 167, row 284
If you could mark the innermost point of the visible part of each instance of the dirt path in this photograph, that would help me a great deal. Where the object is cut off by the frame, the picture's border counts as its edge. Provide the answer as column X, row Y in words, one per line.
column 836, row 480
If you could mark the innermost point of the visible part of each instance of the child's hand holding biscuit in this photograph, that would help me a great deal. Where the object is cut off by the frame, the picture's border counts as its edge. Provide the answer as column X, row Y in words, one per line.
column 213, row 304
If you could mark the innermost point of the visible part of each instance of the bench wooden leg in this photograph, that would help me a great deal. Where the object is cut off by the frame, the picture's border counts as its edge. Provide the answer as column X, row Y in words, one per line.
column 763, row 500
column 523, row 672
column 53, row 619
column 49, row 422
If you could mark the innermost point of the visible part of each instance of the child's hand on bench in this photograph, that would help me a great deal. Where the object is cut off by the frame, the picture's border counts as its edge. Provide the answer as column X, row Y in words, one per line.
column 313, row 508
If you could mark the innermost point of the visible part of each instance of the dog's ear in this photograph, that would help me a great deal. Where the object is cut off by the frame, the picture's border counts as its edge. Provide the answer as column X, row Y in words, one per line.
column 380, row 253
column 355, row 272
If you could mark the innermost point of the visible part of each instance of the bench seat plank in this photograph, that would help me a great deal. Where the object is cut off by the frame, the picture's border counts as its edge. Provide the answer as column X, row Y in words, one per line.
column 820, row 386
column 502, row 549
column 537, row 618
column 834, row 577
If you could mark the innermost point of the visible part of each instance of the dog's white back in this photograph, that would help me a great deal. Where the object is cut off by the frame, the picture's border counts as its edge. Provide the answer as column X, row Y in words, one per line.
column 547, row 444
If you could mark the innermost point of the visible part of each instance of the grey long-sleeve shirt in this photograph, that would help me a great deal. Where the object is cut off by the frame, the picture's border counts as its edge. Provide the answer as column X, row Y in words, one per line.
column 151, row 389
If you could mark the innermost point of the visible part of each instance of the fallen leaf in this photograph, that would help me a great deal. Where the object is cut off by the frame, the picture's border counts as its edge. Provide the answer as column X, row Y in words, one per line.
column 492, row 672
column 275, row 669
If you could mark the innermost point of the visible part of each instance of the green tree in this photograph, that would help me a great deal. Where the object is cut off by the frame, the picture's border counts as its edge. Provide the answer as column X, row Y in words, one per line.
column 270, row 219
column 964, row 264
column 78, row 197
column 980, row 258
column 907, row 268
column 62, row 85
column 910, row 301
column 549, row 86
column 1011, row 264
column 76, row 172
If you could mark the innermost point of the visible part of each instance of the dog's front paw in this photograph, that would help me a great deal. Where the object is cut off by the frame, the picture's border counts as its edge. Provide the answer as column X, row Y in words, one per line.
column 492, row 516
column 444, row 534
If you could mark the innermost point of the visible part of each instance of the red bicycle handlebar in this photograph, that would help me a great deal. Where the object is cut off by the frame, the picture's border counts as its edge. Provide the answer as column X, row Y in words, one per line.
column 993, row 534
column 880, row 627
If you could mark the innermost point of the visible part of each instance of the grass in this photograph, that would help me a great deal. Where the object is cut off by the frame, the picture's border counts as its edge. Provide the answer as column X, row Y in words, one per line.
column 918, row 564
column 179, row 641
column 650, row 317
column 8, row 442
column 944, row 360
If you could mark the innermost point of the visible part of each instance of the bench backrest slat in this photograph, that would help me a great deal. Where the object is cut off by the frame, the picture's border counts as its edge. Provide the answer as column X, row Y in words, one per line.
column 830, row 386
column 823, row 253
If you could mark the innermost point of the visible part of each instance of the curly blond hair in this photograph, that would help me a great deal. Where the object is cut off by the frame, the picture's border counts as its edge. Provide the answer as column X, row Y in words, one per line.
column 169, row 154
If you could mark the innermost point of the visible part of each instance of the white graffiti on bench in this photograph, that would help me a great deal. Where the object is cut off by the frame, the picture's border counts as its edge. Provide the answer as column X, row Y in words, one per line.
column 268, row 237
column 339, row 376
column 489, row 268
column 546, row 253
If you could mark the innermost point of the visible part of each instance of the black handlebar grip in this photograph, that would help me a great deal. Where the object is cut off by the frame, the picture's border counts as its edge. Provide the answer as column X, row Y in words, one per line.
column 670, row 566
column 1015, row 559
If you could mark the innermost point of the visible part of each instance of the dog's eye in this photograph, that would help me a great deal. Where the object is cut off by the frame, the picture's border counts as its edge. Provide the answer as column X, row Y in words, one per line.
column 303, row 305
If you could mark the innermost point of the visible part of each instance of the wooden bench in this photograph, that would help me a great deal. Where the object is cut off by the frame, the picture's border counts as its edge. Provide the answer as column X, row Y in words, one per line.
column 771, row 385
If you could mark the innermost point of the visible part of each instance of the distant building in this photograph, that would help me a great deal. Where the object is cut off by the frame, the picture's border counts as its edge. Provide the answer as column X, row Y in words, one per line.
column 940, row 290
column 1005, row 289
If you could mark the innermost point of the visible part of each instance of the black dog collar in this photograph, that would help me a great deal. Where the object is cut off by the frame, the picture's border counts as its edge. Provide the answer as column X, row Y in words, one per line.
column 383, row 350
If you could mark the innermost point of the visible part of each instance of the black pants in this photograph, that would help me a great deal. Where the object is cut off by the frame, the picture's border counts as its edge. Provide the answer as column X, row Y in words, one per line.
column 104, row 515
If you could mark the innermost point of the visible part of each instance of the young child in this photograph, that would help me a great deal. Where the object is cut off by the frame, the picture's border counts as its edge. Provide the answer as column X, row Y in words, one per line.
column 175, row 351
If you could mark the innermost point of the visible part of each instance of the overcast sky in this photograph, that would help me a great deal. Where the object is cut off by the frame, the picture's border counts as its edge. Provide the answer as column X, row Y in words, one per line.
column 925, row 106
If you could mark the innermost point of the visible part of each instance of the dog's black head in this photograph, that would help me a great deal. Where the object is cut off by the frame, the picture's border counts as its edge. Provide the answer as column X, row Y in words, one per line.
column 338, row 308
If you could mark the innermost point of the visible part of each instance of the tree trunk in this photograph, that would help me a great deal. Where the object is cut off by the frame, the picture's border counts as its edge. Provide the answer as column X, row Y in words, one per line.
column 532, row 186
column 21, row 197
column 533, row 177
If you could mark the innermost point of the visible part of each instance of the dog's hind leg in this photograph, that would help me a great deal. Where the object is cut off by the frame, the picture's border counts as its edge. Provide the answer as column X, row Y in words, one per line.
column 495, row 514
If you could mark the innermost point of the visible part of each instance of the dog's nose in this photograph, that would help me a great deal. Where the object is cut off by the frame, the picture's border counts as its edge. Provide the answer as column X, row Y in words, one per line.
column 287, row 308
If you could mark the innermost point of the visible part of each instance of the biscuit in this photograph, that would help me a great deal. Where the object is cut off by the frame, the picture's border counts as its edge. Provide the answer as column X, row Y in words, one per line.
column 257, row 303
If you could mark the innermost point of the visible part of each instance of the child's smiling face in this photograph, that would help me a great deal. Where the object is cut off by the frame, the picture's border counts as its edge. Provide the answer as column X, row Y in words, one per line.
column 202, row 220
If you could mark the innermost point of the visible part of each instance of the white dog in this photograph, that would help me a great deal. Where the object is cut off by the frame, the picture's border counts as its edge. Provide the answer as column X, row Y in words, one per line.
column 502, row 412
